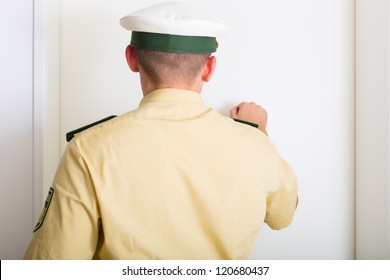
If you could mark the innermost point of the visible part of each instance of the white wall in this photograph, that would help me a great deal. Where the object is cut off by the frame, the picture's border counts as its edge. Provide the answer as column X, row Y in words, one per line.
column 16, row 122
column 307, row 83
column 294, row 57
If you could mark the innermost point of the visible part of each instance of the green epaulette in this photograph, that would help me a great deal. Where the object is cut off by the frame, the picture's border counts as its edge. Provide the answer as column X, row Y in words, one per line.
column 247, row 123
column 71, row 134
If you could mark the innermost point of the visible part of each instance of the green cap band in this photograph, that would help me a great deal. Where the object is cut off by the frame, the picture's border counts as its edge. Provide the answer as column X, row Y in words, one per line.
column 173, row 43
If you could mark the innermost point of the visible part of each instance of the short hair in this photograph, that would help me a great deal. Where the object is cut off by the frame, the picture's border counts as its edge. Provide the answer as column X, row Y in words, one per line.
column 163, row 67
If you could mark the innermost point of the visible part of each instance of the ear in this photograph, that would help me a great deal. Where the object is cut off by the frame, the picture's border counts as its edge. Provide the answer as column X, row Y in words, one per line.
column 209, row 68
column 132, row 59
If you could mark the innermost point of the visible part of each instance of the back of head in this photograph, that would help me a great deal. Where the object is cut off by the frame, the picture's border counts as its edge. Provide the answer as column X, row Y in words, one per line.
column 169, row 66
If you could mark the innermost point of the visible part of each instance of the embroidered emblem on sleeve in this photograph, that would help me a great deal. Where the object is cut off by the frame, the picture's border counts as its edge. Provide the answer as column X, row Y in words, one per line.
column 45, row 209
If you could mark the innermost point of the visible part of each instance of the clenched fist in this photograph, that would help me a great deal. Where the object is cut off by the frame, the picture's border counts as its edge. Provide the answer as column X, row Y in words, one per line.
column 251, row 112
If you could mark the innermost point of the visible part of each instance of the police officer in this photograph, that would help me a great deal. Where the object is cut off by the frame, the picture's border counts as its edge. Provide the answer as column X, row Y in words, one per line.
column 172, row 179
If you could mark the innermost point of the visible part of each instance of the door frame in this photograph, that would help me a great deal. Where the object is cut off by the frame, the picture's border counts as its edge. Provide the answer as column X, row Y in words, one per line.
column 372, row 80
column 46, row 102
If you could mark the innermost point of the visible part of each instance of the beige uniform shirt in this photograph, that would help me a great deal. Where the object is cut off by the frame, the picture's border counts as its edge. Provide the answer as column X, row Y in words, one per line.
column 171, row 180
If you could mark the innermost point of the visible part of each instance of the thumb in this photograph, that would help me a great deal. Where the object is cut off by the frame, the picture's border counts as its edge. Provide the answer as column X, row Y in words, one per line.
column 234, row 112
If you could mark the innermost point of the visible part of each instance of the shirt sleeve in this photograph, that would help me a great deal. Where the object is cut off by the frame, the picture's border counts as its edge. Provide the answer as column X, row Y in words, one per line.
column 282, row 203
column 68, row 227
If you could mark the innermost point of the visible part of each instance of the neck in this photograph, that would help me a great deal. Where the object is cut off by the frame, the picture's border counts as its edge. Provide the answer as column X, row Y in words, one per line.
column 148, row 86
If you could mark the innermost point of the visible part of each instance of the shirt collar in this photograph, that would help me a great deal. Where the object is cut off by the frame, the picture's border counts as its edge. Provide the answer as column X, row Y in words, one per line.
column 172, row 95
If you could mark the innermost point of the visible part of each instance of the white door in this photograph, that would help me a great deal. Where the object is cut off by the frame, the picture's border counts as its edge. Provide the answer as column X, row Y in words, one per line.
column 16, row 123
column 296, row 58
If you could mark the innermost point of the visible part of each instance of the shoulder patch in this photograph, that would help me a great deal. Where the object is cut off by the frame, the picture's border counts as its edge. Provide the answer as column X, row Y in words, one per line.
column 71, row 134
column 45, row 208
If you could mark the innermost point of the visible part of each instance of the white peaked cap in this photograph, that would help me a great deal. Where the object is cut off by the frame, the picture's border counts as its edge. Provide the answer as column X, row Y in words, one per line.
column 177, row 19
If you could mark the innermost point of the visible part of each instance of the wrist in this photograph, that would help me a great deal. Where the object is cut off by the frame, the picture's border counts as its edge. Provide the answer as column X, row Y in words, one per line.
column 263, row 129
